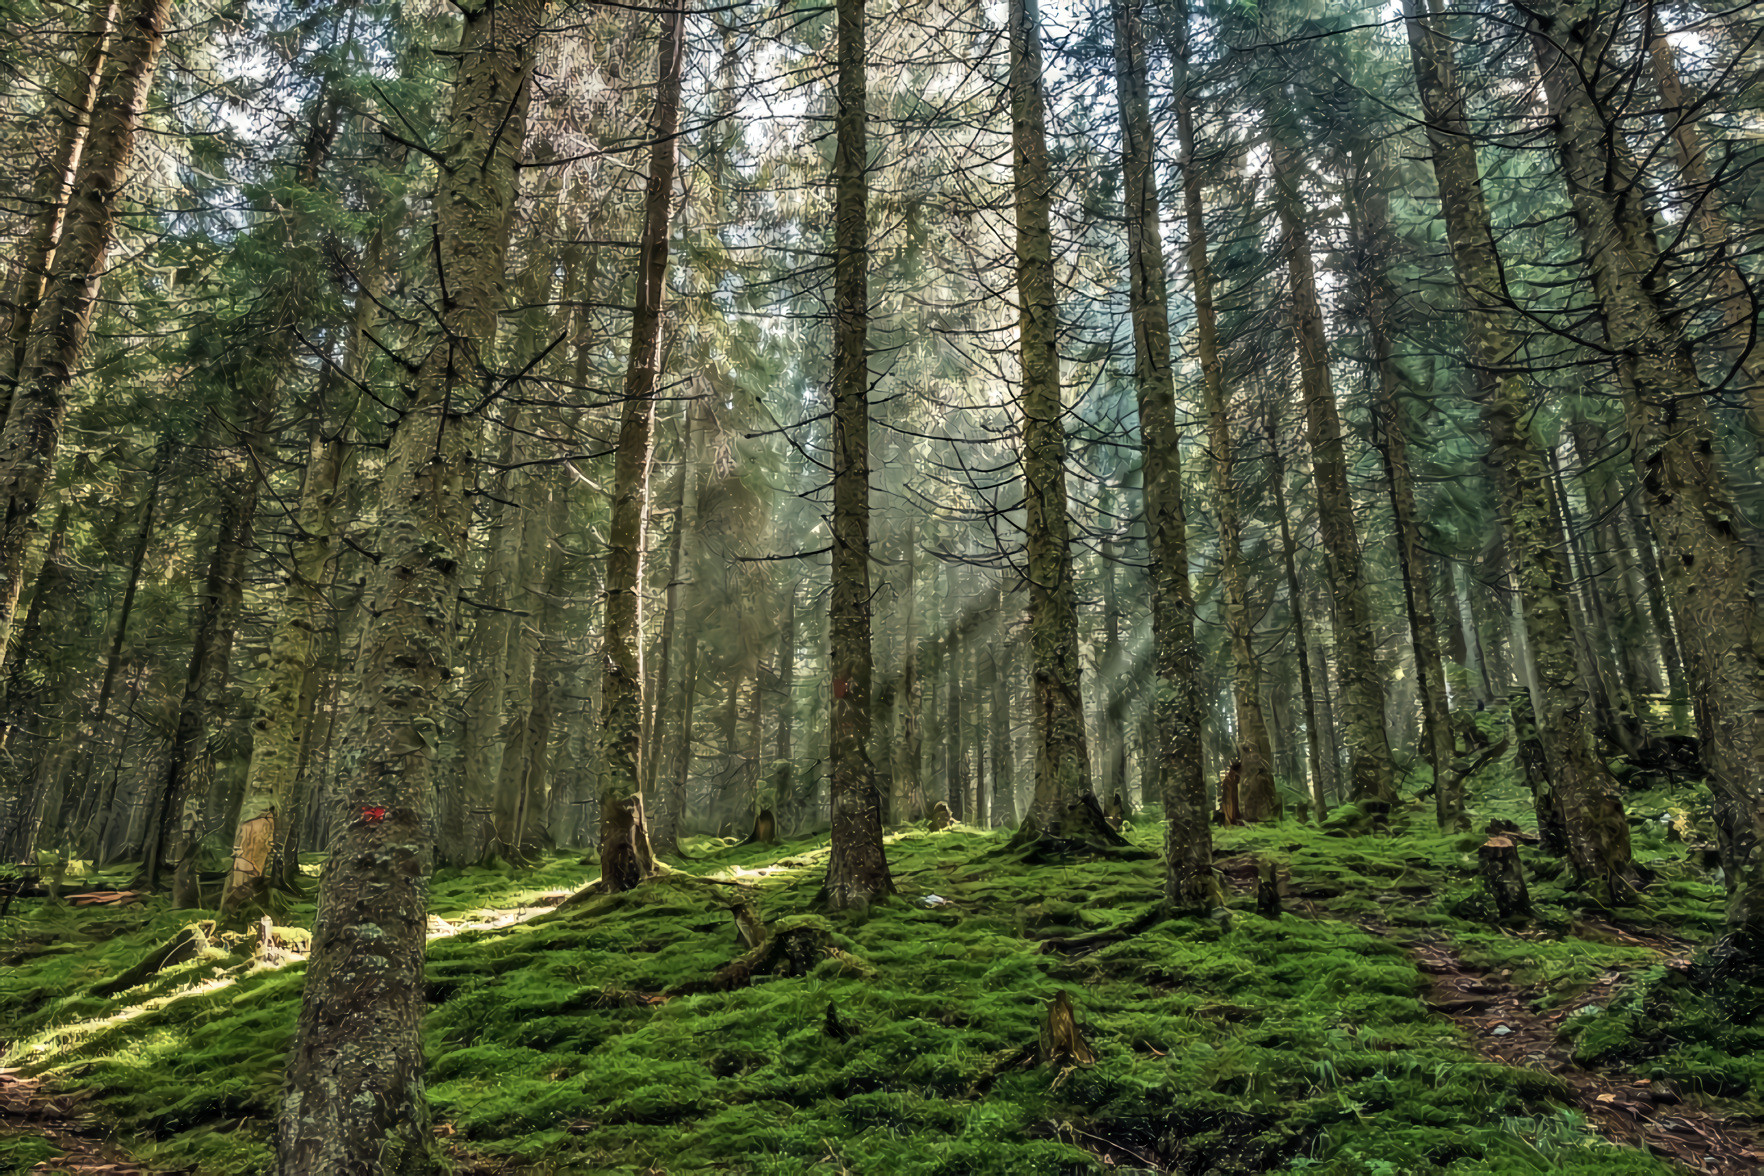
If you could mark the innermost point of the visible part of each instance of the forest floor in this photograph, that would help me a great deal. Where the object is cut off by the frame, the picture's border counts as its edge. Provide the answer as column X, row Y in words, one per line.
column 1383, row 1024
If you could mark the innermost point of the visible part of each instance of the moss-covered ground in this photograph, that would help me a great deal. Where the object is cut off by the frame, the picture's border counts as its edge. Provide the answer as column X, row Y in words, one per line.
column 1233, row 1043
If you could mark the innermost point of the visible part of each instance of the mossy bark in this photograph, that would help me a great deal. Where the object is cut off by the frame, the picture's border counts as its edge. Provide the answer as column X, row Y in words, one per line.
column 179, row 820
column 1062, row 762
column 354, row 1100
column 1175, row 695
column 1362, row 689
column 1708, row 563
column 31, row 437
column 621, row 684
column 282, row 727
column 74, row 91
column 857, row 870
column 1598, row 837
column 1369, row 225
column 1295, row 603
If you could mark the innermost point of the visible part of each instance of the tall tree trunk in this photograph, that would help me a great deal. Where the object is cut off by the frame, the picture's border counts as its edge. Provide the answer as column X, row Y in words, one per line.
column 354, row 1098
column 75, row 91
column 955, row 780
column 660, row 797
column 1739, row 308
column 671, row 796
column 95, row 810
column 1369, row 225
column 857, row 871
column 282, row 727
column 1708, row 563
column 783, row 771
column 32, row 433
column 1062, row 762
column 1598, row 835
column 621, row 687
column 1112, row 683
column 909, row 798
column 179, row 827
column 1362, row 686
column 1175, row 693
column 1295, row 602
column 1004, row 789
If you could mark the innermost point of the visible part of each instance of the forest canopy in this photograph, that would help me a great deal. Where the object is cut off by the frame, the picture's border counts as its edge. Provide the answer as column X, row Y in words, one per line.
column 501, row 496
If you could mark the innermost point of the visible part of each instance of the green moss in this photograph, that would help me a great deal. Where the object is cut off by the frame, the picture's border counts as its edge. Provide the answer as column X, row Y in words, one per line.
column 1235, row 1044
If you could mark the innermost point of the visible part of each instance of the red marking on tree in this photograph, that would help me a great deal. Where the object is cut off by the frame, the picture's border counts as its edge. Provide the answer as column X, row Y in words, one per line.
column 372, row 814
column 841, row 687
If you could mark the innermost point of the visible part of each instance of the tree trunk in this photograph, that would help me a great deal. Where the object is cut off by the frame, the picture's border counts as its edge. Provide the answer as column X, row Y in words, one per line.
column 1004, row 789
column 1708, row 563
column 670, row 808
column 1295, row 602
column 174, row 837
column 955, row 780
column 95, row 809
column 1062, row 762
column 75, row 91
column 1739, row 309
column 282, row 728
column 1362, row 696
column 909, row 796
column 621, row 701
column 1598, row 835
column 857, row 871
column 1175, row 693
column 355, row 1077
column 1369, row 225
column 32, row 433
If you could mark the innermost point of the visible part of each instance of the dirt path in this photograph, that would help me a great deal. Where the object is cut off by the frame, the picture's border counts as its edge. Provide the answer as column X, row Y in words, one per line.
column 1501, row 1026
column 26, row 1109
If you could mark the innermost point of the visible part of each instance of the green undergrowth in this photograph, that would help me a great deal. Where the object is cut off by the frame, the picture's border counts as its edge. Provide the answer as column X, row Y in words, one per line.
column 585, row 1040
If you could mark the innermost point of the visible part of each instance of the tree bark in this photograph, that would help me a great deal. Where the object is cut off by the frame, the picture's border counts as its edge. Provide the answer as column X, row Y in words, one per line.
column 1175, row 693
column 354, row 1099
column 857, row 870
column 621, row 688
column 282, row 728
column 31, row 437
column 1369, row 224
column 1598, row 835
column 1708, row 562
column 1362, row 690
column 75, row 91
column 1062, row 762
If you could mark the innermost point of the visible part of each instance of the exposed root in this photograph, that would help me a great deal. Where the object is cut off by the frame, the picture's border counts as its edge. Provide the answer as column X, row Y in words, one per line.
column 185, row 945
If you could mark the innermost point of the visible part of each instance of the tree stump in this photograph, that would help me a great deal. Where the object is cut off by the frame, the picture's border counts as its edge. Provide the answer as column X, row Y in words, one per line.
column 1505, row 878
column 625, row 856
column 1116, row 813
column 765, row 829
column 941, row 817
column 1062, row 1044
column 1268, row 893
column 1229, row 804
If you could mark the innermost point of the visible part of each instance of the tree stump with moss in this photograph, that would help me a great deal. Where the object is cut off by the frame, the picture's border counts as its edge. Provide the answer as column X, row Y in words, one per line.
column 1505, row 878
column 941, row 817
column 1116, row 813
column 1229, row 804
column 625, row 856
column 1268, row 892
column 765, row 829
column 1062, row 1044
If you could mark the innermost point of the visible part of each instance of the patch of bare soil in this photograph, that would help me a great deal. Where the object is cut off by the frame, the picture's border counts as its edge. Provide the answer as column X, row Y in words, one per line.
column 1501, row 1025
column 85, row 1144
